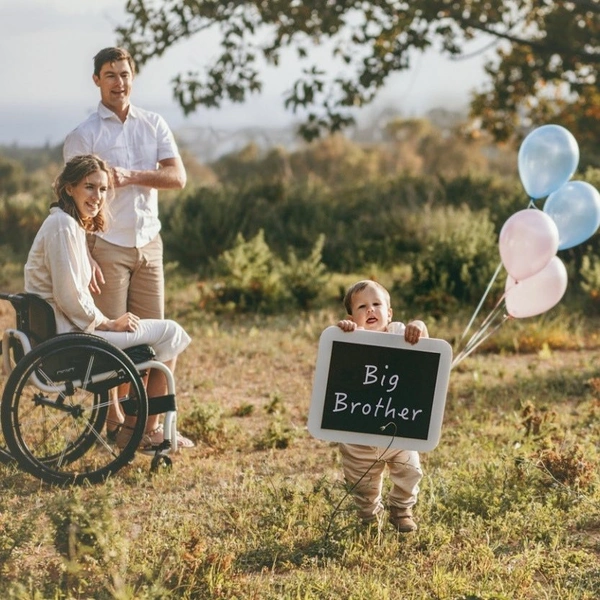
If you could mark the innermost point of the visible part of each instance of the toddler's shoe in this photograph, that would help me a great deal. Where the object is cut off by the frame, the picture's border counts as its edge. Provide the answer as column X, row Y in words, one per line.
column 371, row 520
column 403, row 521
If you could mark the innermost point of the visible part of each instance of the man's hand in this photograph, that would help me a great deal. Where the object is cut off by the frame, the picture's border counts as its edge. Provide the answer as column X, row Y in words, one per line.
column 121, row 177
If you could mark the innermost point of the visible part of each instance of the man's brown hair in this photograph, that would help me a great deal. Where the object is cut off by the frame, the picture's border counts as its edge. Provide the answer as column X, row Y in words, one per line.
column 111, row 55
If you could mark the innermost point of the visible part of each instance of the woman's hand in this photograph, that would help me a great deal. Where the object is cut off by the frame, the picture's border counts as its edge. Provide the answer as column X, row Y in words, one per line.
column 126, row 322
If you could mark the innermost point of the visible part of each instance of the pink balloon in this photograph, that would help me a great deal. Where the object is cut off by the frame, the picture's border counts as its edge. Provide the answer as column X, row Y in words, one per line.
column 528, row 240
column 538, row 293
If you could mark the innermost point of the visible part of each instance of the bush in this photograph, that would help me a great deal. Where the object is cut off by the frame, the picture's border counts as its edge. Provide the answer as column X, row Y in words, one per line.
column 305, row 278
column 11, row 269
column 20, row 218
column 458, row 261
column 201, row 225
column 379, row 222
column 499, row 196
column 251, row 278
column 590, row 280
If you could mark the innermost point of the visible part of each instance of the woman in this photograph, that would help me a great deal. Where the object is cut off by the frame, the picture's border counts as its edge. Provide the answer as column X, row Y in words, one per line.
column 58, row 270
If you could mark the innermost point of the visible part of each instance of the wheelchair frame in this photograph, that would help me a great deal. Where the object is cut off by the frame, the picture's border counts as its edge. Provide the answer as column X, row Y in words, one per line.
column 55, row 400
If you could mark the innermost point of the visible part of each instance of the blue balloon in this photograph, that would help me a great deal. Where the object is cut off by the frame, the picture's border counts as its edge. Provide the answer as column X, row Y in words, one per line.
column 548, row 157
column 575, row 208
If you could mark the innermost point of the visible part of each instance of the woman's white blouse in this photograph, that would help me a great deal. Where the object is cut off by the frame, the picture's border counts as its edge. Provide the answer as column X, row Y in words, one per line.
column 59, row 255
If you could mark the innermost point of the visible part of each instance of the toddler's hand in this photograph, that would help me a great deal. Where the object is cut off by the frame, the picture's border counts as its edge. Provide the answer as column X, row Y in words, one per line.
column 347, row 325
column 414, row 331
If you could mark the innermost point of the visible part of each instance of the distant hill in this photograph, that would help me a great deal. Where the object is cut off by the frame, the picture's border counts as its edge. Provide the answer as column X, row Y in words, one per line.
column 208, row 144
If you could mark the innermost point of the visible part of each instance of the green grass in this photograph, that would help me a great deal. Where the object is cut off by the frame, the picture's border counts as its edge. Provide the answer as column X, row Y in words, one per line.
column 509, row 506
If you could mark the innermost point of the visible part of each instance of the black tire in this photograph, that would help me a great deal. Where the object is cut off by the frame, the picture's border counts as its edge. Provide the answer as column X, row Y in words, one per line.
column 15, row 351
column 6, row 458
column 56, row 433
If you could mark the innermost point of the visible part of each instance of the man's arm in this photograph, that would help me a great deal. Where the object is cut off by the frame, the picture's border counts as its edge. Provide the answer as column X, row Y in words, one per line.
column 97, row 274
column 170, row 175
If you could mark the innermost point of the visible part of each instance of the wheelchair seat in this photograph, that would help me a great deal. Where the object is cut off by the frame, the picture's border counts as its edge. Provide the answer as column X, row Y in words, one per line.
column 35, row 317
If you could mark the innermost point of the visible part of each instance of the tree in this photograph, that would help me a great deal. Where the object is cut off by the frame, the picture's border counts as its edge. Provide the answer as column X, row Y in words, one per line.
column 547, row 51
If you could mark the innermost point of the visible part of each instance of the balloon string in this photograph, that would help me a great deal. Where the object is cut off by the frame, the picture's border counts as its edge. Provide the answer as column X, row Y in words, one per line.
column 464, row 355
column 482, row 329
column 490, row 316
column 487, row 291
column 475, row 338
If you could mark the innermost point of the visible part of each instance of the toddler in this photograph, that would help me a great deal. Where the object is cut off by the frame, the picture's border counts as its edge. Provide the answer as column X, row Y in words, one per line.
column 368, row 306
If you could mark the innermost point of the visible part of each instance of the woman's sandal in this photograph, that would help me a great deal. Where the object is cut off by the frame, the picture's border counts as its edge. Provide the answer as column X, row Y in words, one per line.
column 150, row 440
column 156, row 437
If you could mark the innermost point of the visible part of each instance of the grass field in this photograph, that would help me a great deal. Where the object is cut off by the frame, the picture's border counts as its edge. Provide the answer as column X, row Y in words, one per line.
column 509, row 506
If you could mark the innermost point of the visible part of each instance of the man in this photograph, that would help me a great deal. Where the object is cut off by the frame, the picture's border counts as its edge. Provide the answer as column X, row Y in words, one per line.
column 127, row 259
column 141, row 149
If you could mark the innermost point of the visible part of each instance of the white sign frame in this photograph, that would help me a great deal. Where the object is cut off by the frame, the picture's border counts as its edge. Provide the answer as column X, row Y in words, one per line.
column 388, row 340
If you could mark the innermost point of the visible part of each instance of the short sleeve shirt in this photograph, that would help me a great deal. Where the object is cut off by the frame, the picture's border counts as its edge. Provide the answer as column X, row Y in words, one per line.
column 138, row 144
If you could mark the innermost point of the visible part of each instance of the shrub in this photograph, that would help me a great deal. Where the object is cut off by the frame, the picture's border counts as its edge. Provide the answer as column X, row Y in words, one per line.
column 20, row 218
column 304, row 279
column 251, row 278
column 278, row 435
column 11, row 269
column 590, row 279
column 499, row 196
column 201, row 225
column 458, row 261
column 204, row 423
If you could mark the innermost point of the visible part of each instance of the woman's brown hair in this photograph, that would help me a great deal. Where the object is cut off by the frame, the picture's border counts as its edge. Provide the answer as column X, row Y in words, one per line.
column 74, row 171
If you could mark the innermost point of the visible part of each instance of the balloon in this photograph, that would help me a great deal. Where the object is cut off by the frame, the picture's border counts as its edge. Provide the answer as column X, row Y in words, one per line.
column 537, row 293
column 528, row 240
column 575, row 208
column 547, row 159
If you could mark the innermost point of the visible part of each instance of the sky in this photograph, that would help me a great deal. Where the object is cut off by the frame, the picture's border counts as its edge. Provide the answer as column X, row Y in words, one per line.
column 47, row 47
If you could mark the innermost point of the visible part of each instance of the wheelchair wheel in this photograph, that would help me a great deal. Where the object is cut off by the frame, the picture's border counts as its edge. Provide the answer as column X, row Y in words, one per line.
column 55, row 404
column 15, row 353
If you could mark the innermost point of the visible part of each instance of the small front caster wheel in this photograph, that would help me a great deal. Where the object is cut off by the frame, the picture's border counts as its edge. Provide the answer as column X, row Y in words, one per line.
column 160, row 460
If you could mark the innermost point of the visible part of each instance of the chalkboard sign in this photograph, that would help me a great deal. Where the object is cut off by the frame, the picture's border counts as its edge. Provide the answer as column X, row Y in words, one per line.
column 375, row 389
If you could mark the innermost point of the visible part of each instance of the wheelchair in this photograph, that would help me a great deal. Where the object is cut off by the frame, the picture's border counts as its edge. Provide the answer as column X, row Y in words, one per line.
column 57, row 393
